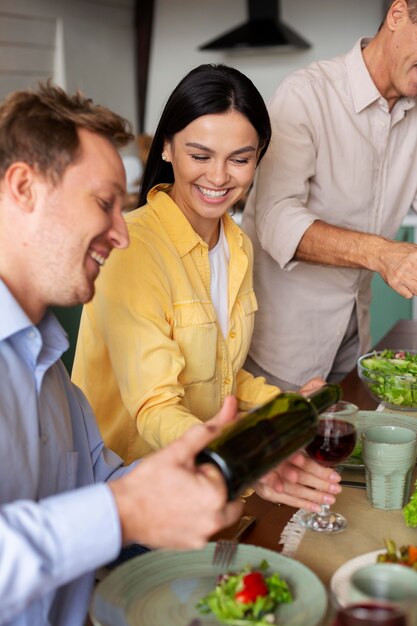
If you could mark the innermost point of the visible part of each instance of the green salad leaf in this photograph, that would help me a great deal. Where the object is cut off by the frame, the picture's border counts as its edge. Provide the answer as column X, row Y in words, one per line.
column 357, row 452
column 410, row 510
column 392, row 377
column 224, row 603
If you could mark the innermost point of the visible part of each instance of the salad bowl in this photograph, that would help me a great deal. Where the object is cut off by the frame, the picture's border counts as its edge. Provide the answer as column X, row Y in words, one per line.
column 390, row 376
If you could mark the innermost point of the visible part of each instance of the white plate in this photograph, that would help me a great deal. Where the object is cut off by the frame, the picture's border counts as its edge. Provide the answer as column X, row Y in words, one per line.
column 162, row 588
column 339, row 583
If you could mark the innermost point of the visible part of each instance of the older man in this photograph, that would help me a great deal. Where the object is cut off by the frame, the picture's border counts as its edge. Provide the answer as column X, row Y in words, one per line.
column 331, row 192
column 62, row 189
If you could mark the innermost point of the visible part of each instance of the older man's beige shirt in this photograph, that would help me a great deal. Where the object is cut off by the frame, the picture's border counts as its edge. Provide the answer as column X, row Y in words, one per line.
column 339, row 155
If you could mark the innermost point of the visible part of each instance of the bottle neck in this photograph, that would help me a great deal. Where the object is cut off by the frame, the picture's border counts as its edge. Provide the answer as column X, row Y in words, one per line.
column 325, row 397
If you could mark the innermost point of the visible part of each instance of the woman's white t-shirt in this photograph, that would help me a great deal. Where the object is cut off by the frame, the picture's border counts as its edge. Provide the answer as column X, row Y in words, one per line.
column 219, row 280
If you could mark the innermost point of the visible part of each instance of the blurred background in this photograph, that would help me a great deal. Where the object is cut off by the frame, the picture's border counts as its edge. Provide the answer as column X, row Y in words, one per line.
column 129, row 55
column 100, row 46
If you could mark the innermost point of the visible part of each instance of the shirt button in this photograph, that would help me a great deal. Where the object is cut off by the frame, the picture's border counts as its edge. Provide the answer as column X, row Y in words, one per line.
column 232, row 335
column 32, row 334
column 44, row 439
column 227, row 381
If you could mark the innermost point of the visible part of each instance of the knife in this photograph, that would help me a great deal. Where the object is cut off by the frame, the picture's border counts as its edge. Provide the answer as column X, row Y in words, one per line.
column 353, row 483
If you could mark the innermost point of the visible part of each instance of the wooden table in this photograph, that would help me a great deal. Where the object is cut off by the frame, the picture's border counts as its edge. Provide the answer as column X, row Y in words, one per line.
column 272, row 518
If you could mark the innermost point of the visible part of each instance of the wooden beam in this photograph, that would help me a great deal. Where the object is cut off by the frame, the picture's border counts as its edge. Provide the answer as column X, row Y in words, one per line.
column 144, row 10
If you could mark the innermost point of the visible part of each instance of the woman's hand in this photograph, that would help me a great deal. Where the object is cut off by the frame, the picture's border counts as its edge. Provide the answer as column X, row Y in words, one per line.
column 312, row 385
column 300, row 482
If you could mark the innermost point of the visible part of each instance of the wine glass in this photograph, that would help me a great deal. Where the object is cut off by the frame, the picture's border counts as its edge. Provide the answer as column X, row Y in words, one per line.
column 373, row 611
column 334, row 441
column 368, row 614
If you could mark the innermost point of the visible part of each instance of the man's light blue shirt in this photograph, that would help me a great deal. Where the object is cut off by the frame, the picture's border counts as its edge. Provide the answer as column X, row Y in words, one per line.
column 52, row 536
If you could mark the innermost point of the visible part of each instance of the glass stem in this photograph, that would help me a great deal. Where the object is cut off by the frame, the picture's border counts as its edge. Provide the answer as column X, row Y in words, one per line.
column 324, row 510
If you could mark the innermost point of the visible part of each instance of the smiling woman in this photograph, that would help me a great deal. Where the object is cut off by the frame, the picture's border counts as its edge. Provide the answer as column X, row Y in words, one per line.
column 211, row 177
column 164, row 340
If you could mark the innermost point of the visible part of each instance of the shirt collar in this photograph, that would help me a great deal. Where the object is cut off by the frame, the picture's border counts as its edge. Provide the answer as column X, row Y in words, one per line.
column 14, row 320
column 176, row 224
column 364, row 90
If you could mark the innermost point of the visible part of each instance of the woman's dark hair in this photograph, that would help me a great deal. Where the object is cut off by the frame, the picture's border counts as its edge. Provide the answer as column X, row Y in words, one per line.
column 208, row 89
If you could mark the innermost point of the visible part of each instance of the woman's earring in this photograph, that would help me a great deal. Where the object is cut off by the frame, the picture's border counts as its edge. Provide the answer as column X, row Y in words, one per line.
column 164, row 156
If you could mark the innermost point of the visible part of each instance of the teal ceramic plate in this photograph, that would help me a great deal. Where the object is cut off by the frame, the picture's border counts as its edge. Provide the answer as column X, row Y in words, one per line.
column 162, row 588
column 366, row 419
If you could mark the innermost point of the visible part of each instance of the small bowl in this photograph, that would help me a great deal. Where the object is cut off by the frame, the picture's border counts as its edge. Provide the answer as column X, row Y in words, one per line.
column 383, row 581
column 397, row 391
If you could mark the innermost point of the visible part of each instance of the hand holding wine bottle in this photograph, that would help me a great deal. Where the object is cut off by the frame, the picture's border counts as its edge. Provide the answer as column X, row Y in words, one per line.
column 264, row 437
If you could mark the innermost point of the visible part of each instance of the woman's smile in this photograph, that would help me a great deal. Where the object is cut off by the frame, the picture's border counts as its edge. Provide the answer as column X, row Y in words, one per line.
column 214, row 160
column 213, row 194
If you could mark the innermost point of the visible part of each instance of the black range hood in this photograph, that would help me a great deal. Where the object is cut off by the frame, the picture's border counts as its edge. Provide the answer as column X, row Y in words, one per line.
column 264, row 29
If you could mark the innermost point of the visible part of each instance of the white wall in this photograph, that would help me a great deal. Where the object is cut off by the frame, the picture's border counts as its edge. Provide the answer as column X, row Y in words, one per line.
column 93, row 48
column 180, row 26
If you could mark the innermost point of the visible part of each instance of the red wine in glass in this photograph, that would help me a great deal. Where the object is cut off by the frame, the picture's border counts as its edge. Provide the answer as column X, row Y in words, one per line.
column 334, row 442
column 370, row 614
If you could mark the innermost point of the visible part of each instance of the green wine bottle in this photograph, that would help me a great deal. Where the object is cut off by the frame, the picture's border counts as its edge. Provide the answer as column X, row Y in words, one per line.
column 267, row 435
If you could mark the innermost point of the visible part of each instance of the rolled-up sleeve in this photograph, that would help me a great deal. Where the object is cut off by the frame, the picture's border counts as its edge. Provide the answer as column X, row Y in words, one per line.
column 282, row 189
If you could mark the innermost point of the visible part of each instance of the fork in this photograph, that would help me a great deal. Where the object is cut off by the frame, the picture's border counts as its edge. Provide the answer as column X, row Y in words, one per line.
column 225, row 548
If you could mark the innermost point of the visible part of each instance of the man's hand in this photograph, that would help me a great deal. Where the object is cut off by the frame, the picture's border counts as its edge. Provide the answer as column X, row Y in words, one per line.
column 395, row 261
column 300, row 482
column 167, row 501
column 398, row 267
